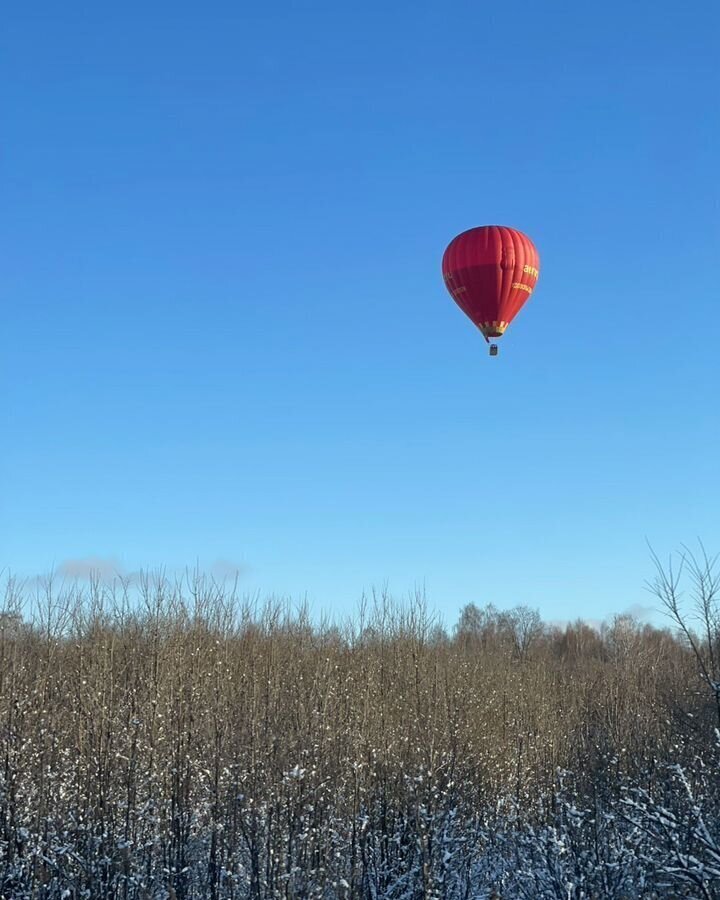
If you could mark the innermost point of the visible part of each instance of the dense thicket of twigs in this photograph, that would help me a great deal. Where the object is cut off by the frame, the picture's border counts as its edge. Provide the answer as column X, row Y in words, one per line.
column 167, row 740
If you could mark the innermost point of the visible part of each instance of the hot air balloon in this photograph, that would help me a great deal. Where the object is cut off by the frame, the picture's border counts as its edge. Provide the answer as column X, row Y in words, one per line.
column 490, row 272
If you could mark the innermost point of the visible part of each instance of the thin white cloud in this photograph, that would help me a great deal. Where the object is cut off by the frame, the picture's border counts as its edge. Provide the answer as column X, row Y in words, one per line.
column 642, row 613
column 88, row 567
column 225, row 568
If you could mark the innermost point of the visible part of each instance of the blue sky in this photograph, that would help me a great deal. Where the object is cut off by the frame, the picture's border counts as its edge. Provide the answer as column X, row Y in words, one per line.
column 225, row 335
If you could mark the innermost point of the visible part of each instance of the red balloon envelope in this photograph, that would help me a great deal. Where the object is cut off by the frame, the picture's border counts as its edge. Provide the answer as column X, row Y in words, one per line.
column 491, row 272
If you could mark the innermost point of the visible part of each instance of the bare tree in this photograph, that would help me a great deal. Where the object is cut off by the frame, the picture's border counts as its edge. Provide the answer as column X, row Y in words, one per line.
column 524, row 626
column 699, row 621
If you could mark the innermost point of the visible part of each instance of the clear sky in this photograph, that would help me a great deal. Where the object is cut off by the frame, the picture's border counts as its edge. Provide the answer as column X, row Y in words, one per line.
column 225, row 336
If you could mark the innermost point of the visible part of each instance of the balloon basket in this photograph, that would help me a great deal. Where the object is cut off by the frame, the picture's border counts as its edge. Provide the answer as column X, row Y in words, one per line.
column 493, row 349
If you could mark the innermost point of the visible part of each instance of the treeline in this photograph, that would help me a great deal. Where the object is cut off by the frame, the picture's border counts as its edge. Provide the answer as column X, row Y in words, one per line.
column 168, row 739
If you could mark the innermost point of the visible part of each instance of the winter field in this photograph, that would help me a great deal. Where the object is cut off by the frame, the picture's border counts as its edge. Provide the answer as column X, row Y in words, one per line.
column 170, row 740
